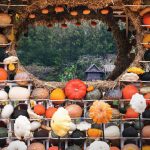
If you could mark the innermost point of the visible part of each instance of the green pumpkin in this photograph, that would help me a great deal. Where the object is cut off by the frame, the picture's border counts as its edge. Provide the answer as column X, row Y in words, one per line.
column 74, row 147
column 3, row 132
column 94, row 95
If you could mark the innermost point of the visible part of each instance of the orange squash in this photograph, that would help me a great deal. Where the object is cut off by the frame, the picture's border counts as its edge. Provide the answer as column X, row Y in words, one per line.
column 50, row 111
column 74, row 13
column 59, row 9
column 128, row 91
column 146, row 20
column 94, row 133
column 45, row 11
column 104, row 11
column 3, row 74
column 130, row 113
column 90, row 88
column 147, row 96
column 86, row 12
column 39, row 109
column 57, row 94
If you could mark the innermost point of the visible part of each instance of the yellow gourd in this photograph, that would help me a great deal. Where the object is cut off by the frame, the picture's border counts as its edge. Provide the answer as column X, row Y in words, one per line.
column 11, row 67
column 136, row 70
column 94, row 133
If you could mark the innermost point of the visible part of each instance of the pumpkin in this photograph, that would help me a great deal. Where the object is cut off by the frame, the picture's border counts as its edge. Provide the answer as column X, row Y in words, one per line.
column 100, row 112
column 41, row 133
column 147, row 55
column 16, row 145
column 94, row 133
column 128, row 91
column 50, row 111
column 74, row 110
column 35, row 125
column 146, row 40
column 130, row 147
column 135, row 70
column 114, row 148
column 145, row 76
column 3, row 40
column 74, row 147
column 130, row 113
column 36, row 146
column 146, row 19
column 146, row 131
column 53, row 148
column 39, row 109
column 146, row 147
column 32, row 16
column 75, row 89
column 104, row 11
column 59, row 9
column 112, row 131
column 130, row 77
column 57, row 94
column 5, row 20
column 45, row 11
column 95, row 94
column 19, row 93
column 130, row 132
column 22, row 76
column 3, row 74
column 74, row 13
column 115, row 93
column 40, row 93
column 145, row 90
column 90, row 88
column 3, row 95
column 147, row 96
column 86, row 12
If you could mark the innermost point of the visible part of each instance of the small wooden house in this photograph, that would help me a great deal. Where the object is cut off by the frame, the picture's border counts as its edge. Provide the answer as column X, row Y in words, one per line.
column 94, row 73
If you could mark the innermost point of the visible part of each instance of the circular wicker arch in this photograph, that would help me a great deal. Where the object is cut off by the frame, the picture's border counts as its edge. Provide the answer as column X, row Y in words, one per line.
column 133, row 17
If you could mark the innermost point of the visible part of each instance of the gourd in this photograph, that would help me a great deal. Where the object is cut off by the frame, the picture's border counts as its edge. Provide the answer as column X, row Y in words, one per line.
column 104, row 11
column 112, row 131
column 130, row 113
column 40, row 93
column 3, row 40
column 115, row 93
column 130, row 132
column 17, row 145
column 146, row 40
column 130, row 77
column 50, row 111
column 114, row 148
column 128, row 91
column 74, row 147
column 35, row 125
column 59, row 9
column 5, row 20
column 94, row 133
column 3, row 74
column 136, row 70
column 7, row 111
column 147, row 55
column 74, row 13
column 146, row 131
column 74, row 110
column 75, row 89
column 95, row 94
column 3, row 95
column 36, row 146
column 19, row 93
column 45, row 11
column 130, row 146
column 57, row 94
column 145, row 90
column 146, row 19
column 86, row 12
column 39, row 109
column 90, row 88
column 145, row 76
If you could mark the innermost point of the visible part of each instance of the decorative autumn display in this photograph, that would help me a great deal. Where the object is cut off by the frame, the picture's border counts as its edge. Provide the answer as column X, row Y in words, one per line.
column 3, row 40
column 94, row 133
column 40, row 93
column 36, row 146
column 39, row 109
column 130, row 113
column 20, row 75
column 115, row 93
column 75, row 89
column 99, row 145
column 146, row 19
column 59, row 9
column 145, row 76
column 3, row 74
column 50, row 111
column 18, row 93
column 146, row 40
column 61, row 122
column 104, row 11
column 94, row 94
column 19, row 145
column 146, row 131
column 90, row 88
column 3, row 95
column 100, row 112
column 45, row 11
column 130, row 146
column 136, row 70
column 5, row 20
column 86, row 12
column 130, row 132
column 7, row 111
column 74, row 110
column 32, row 16
column 130, row 77
column 57, row 94
column 74, row 13
column 83, row 126
column 128, row 91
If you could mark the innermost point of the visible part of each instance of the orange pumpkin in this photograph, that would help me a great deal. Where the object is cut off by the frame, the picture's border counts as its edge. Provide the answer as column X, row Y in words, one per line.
column 146, row 20
column 39, row 109
column 32, row 16
column 45, row 11
column 59, row 95
column 74, row 13
column 50, row 111
column 3, row 74
column 128, row 91
column 130, row 113
column 104, row 11
column 147, row 97
column 53, row 148
column 90, row 88
column 59, row 9
column 114, row 148
column 86, row 12
column 94, row 133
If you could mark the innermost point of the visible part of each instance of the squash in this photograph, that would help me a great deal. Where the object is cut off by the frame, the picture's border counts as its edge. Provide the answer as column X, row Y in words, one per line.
column 104, row 11
column 135, row 70
column 147, row 97
column 41, row 133
column 3, row 40
column 74, row 110
column 3, row 74
column 39, row 109
column 130, row 113
column 3, row 95
column 145, row 90
column 36, row 146
column 57, row 94
column 128, row 91
column 20, row 75
column 19, row 93
column 74, row 13
column 146, row 131
column 147, row 55
column 94, row 133
column 146, row 40
column 130, row 132
column 59, row 9
column 40, row 93
column 130, row 77
column 5, row 20
column 86, row 12
column 95, row 94
column 17, row 145
column 98, row 145
column 35, row 125
column 7, row 111
column 130, row 147
column 45, row 11
column 74, row 147
column 146, row 19
column 75, row 89
column 146, row 147
column 145, row 76
column 100, row 112
column 50, row 111
column 115, row 93
column 90, row 88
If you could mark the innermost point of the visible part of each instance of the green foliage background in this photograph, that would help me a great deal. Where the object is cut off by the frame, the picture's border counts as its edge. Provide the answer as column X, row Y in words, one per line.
column 64, row 49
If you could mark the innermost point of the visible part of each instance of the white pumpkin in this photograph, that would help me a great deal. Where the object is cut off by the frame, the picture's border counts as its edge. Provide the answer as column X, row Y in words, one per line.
column 3, row 95
column 7, row 111
column 19, row 93
column 35, row 125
